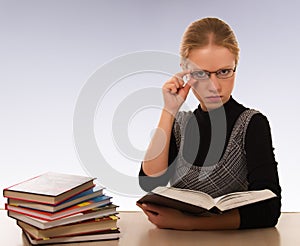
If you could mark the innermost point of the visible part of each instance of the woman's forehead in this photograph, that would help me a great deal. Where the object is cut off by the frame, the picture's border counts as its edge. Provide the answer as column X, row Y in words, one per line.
column 210, row 58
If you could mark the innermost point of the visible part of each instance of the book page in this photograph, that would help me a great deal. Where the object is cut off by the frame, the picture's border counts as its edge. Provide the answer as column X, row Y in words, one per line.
column 238, row 199
column 196, row 198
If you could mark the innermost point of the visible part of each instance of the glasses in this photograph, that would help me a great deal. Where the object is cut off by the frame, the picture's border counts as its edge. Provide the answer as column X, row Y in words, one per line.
column 224, row 73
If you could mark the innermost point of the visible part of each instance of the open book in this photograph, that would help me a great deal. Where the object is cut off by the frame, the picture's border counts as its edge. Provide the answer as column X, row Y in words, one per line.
column 197, row 202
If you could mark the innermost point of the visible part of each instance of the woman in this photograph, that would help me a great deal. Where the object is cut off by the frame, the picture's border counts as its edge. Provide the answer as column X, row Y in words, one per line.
column 219, row 148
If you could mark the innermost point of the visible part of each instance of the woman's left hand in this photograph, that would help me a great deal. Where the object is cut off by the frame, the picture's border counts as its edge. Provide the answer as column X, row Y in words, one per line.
column 167, row 218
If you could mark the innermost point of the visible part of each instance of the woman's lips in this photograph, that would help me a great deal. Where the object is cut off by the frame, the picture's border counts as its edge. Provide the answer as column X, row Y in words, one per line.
column 214, row 99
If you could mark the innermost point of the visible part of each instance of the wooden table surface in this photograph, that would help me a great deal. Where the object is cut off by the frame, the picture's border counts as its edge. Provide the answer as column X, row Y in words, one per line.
column 137, row 230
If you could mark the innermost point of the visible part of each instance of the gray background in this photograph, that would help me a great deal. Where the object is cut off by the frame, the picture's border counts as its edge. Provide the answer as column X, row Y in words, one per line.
column 49, row 49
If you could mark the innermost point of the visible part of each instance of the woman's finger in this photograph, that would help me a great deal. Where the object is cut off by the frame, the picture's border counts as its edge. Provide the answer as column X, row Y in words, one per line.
column 179, row 76
column 170, row 88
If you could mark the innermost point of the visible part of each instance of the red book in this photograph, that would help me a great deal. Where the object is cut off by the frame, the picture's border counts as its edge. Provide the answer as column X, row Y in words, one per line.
column 80, row 207
column 98, row 212
column 83, row 196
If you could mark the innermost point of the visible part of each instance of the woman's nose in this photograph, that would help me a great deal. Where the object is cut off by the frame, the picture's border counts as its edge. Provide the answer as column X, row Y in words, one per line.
column 214, row 83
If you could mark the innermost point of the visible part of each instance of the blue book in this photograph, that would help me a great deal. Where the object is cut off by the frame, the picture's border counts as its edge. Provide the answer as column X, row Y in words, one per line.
column 93, row 203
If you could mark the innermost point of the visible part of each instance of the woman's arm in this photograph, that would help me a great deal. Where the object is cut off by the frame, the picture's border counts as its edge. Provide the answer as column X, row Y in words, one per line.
column 148, row 183
column 169, row 218
column 156, row 159
column 174, row 93
column 262, row 174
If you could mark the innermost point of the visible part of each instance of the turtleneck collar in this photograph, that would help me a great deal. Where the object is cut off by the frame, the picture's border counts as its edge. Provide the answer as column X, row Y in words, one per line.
column 226, row 106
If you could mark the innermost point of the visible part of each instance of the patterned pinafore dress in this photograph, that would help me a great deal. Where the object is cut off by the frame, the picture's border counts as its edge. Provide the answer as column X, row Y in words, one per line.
column 228, row 175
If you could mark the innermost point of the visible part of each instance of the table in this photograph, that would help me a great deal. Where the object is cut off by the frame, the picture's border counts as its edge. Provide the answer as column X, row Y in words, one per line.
column 136, row 230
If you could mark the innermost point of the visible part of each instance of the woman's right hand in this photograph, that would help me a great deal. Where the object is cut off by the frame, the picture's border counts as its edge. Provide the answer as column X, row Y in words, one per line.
column 175, row 92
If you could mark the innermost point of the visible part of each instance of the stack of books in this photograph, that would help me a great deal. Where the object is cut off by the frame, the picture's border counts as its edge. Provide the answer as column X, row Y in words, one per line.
column 57, row 208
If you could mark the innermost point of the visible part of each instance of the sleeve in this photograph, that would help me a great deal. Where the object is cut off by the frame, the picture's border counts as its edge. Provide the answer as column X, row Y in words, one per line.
column 262, row 174
column 148, row 183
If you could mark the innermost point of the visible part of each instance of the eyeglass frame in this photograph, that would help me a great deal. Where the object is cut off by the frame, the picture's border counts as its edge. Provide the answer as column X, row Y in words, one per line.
column 208, row 73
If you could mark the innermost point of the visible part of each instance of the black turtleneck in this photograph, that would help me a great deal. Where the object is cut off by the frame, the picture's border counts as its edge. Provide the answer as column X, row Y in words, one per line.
column 261, row 163
column 214, row 128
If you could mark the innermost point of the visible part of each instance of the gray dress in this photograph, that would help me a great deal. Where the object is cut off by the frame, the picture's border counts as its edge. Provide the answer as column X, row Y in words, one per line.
column 229, row 174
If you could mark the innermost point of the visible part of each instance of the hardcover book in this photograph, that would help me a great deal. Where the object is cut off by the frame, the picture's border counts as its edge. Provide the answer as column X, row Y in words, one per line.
column 83, row 196
column 198, row 202
column 86, row 205
column 50, row 188
column 89, row 226
column 83, row 239
column 85, row 215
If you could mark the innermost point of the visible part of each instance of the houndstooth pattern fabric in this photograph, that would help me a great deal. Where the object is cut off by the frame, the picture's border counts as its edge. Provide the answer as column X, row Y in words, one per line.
column 227, row 175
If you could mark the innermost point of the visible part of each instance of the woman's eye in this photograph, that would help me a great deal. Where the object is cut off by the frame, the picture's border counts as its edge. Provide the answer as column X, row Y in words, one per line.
column 199, row 74
column 223, row 71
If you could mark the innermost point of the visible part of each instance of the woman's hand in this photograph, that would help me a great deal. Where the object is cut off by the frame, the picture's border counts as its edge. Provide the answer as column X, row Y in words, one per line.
column 167, row 218
column 175, row 92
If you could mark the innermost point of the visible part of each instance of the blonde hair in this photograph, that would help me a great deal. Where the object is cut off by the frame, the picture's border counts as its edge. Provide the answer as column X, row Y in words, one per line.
column 208, row 31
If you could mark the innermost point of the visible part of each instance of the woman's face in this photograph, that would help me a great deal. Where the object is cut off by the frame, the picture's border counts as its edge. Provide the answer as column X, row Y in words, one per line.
column 212, row 92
